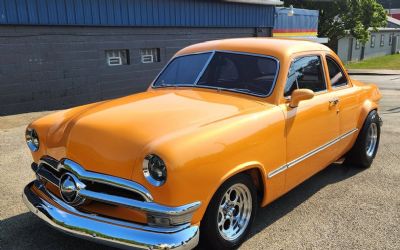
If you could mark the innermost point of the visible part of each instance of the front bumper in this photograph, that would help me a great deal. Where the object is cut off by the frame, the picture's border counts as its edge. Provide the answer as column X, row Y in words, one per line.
column 104, row 230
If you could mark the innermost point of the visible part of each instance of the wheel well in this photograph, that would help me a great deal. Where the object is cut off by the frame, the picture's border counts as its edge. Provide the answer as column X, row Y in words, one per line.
column 258, row 182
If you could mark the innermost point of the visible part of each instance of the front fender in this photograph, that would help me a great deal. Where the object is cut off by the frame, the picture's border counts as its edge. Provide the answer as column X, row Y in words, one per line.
column 199, row 162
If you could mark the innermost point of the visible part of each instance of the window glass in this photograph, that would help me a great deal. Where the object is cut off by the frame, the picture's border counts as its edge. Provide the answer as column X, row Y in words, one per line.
column 183, row 70
column 240, row 72
column 151, row 55
column 305, row 73
column 357, row 44
column 372, row 41
column 117, row 57
column 229, row 71
column 335, row 73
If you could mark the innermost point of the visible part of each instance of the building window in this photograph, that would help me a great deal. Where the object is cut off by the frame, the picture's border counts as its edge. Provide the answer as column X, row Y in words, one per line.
column 391, row 39
column 357, row 44
column 382, row 40
column 150, row 55
column 117, row 57
column 372, row 41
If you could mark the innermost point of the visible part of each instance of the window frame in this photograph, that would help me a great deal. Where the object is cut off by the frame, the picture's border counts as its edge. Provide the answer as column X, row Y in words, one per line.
column 373, row 40
column 219, row 88
column 323, row 74
column 327, row 56
column 358, row 45
column 382, row 42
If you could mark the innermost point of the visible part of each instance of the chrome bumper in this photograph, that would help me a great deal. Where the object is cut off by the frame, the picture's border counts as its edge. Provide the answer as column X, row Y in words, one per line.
column 109, row 231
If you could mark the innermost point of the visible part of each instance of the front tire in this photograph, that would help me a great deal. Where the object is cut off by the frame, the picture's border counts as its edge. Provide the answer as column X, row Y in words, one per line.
column 366, row 146
column 230, row 214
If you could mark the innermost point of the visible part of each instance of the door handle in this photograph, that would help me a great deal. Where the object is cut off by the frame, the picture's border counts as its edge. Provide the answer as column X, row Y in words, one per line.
column 334, row 101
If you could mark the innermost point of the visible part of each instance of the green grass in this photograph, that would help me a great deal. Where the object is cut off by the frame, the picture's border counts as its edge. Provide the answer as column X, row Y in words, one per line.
column 382, row 62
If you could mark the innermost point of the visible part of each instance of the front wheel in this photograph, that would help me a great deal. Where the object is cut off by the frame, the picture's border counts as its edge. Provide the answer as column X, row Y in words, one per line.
column 366, row 146
column 230, row 214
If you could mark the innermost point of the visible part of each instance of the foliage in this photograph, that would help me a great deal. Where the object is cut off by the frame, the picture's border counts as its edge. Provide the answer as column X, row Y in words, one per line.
column 340, row 17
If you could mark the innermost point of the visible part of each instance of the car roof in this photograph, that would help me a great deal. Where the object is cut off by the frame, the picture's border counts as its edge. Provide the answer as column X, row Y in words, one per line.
column 276, row 47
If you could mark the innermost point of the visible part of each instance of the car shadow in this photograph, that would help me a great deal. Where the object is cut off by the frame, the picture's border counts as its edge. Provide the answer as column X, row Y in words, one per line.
column 266, row 216
column 285, row 204
column 26, row 231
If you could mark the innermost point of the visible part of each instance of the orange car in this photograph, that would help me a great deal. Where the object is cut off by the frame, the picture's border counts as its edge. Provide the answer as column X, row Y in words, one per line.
column 226, row 127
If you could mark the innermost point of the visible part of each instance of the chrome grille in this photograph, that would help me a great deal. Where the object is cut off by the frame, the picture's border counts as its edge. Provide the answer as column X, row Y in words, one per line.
column 51, row 170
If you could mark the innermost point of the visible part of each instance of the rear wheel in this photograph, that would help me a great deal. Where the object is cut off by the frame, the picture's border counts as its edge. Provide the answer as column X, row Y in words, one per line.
column 364, row 150
column 230, row 214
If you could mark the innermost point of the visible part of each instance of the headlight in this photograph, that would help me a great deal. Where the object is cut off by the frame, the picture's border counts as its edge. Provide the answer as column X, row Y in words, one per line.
column 154, row 170
column 32, row 139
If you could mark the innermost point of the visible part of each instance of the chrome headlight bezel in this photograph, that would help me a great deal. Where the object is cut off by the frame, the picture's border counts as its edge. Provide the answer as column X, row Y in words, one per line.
column 32, row 139
column 154, row 170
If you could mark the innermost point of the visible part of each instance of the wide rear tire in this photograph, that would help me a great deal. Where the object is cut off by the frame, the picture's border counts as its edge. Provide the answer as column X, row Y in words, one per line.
column 366, row 146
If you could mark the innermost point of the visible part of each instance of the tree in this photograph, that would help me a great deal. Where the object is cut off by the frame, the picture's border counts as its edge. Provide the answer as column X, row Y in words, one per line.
column 341, row 17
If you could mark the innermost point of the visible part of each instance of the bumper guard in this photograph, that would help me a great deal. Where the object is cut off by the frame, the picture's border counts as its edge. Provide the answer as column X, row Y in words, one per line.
column 107, row 231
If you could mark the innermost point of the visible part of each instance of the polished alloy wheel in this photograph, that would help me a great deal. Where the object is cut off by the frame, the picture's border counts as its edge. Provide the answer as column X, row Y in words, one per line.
column 234, row 212
column 372, row 139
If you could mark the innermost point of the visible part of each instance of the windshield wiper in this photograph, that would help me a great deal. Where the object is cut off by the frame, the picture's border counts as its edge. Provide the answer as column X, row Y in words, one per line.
column 167, row 85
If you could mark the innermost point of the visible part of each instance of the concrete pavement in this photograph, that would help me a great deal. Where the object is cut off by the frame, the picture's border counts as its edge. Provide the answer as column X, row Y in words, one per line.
column 373, row 72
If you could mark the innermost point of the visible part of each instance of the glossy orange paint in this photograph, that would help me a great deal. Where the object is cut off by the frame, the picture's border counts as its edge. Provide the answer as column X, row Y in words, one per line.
column 206, row 136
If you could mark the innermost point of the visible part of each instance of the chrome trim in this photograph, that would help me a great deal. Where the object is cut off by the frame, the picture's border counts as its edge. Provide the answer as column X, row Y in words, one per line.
column 30, row 136
column 234, row 212
column 147, row 174
column 277, row 171
column 176, row 215
column 109, row 231
column 194, row 85
column 149, row 207
column 82, row 174
column 204, row 68
column 372, row 139
column 309, row 154
column 70, row 209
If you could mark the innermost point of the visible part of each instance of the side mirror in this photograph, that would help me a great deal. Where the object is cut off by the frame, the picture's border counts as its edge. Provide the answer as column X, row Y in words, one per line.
column 299, row 95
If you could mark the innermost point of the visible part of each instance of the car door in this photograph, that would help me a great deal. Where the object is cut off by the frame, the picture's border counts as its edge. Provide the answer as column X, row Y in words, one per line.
column 313, row 126
column 348, row 106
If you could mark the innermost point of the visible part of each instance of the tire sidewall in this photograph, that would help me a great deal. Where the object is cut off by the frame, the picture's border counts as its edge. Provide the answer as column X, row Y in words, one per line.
column 360, row 153
column 209, row 233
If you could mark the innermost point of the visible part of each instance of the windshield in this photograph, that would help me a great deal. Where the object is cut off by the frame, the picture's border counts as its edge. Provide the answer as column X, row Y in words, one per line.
column 245, row 73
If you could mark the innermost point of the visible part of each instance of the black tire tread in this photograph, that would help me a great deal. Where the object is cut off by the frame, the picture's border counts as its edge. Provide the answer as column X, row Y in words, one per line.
column 357, row 155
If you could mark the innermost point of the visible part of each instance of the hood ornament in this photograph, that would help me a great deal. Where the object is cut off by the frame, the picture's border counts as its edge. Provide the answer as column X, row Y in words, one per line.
column 70, row 186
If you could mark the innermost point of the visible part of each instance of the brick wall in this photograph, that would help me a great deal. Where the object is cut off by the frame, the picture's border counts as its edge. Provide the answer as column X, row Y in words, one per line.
column 47, row 67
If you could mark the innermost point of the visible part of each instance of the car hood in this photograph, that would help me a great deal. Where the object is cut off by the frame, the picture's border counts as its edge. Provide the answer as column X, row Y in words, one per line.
column 113, row 136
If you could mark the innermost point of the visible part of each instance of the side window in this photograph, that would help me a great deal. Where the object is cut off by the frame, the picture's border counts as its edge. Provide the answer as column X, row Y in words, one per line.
column 336, row 74
column 305, row 73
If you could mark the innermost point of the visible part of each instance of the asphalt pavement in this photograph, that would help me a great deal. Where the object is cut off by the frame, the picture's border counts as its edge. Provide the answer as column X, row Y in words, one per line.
column 341, row 207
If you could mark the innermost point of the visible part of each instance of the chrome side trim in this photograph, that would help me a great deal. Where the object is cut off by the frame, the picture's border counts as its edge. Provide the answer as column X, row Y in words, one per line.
column 107, row 231
column 309, row 154
column 277, row 171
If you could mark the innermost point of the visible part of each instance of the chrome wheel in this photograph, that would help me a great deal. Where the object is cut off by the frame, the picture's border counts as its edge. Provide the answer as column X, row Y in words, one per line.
column 234, row 212
column 372, row 139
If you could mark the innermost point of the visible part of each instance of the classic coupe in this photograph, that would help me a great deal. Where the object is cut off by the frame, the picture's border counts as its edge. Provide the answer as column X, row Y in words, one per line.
column 228, row 126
